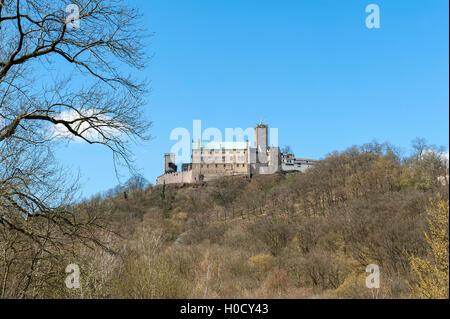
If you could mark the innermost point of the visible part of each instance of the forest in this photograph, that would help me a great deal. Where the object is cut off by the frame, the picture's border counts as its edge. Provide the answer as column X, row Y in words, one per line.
column 296, row 235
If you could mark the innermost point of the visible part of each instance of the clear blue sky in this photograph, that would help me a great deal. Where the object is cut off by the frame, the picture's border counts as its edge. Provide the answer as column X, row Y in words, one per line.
column 312, row 68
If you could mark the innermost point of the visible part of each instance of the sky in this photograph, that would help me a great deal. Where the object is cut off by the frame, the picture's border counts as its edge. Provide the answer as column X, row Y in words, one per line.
column 311, row 68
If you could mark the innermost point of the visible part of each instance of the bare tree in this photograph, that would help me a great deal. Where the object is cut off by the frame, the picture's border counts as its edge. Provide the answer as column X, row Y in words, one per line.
column 58, row 83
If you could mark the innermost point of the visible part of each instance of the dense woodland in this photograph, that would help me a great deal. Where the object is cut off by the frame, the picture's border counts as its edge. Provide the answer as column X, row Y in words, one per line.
column 297, row 235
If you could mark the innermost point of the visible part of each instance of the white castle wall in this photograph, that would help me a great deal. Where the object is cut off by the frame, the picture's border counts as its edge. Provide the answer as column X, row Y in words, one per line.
column 175, row 178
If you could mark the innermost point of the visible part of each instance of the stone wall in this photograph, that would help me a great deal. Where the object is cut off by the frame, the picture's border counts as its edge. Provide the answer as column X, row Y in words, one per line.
column 176, row 178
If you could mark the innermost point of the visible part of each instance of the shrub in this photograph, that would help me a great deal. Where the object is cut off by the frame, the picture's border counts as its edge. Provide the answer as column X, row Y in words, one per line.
column 261, row 264
column 432, row 273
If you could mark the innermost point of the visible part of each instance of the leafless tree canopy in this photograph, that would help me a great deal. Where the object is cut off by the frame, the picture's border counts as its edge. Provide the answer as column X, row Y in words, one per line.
column 62, row 83
column 92, row 97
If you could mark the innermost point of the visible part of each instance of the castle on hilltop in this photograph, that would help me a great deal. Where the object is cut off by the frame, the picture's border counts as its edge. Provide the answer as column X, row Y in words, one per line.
column 211, row 160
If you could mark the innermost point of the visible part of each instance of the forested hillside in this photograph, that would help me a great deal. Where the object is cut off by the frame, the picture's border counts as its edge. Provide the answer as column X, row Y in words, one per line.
column 298, row 235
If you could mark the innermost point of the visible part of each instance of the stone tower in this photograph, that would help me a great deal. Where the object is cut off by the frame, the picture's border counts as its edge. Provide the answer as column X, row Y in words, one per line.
column 169, row 163
column 261, row 136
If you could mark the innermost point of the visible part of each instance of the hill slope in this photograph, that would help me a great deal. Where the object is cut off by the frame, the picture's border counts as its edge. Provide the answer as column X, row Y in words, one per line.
column 298, row 235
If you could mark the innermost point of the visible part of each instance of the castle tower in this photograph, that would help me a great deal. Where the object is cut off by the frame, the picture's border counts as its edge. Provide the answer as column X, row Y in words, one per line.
column 261, row 136
column 169, row 163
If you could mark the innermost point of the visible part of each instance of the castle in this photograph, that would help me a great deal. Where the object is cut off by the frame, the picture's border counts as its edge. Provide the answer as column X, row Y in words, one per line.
column 211, row 160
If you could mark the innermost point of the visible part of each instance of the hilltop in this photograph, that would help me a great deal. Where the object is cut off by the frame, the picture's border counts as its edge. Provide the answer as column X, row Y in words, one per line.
column 287, row 235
